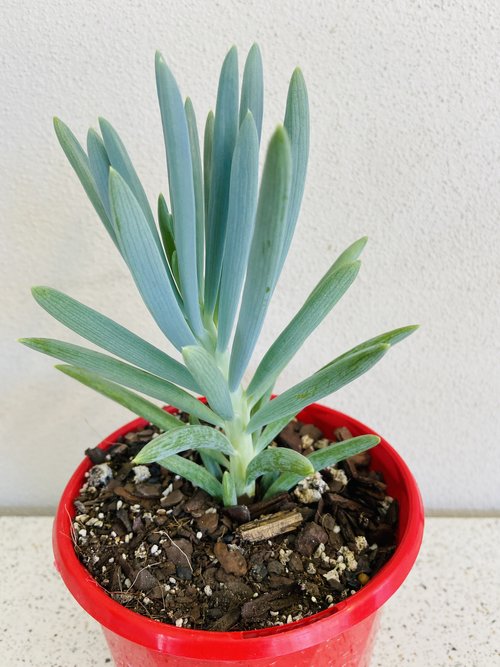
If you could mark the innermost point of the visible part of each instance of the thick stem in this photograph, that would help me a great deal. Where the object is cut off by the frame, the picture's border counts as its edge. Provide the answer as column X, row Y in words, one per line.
column 235, row 430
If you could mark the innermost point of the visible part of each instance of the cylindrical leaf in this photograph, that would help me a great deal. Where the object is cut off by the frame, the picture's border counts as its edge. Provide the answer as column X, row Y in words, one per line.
column 140, row 406
column 265, row 252
column 327, row 380
column 111, row 336
column 202, row 366
column 278, row 458
column 146, row 263
column 181, row 440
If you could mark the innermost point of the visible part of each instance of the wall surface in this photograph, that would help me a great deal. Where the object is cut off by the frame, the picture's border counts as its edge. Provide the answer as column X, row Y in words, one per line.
column 405, row 148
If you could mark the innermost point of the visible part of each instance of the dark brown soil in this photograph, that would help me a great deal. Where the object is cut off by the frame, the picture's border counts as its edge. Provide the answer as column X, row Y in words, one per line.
column 166, row 550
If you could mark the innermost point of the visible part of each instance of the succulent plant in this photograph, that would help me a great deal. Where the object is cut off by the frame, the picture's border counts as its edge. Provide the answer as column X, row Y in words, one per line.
column 206, row 269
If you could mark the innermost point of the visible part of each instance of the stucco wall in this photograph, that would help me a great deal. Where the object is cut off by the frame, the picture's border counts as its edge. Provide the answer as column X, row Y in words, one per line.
column 405, row 148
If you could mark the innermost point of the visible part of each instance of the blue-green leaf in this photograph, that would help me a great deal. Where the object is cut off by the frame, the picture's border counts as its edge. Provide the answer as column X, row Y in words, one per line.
column 207, row 161
column 80, row 163
column 270, row 432
column 297, row 125
column 210, row 464
column 252, row 88
column 146, row 263
column 320, row 302
column 120, row 161
column 181, row 440
column 264, row 253
column 207, row 374
column 165, row 222
column 240, row 226
column 99, row 166
column 327, row 380
column 117, row 371
column 229, row 496
column 140, row 406
column 196, row 474
column 224, row 139
column 194, row 143
column 278, row 458
column 324, row 458
column 388, row 338
column 338, row 451
column 350, row 254
column 182, row 198
column 111, row 336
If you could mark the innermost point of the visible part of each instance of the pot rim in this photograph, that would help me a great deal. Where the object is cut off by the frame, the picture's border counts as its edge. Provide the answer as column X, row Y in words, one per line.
column 268, row 642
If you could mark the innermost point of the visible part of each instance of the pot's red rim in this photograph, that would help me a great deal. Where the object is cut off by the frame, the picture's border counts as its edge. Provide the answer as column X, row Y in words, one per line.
column 222, row 646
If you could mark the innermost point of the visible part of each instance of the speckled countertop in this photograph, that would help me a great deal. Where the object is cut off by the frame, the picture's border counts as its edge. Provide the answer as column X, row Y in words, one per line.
column 447, row 613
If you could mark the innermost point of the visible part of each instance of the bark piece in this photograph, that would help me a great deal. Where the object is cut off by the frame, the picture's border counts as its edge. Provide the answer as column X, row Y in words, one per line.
column 268, row 527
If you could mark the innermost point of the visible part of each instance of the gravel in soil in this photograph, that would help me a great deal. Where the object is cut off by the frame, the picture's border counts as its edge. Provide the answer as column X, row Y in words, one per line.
column 168, row 551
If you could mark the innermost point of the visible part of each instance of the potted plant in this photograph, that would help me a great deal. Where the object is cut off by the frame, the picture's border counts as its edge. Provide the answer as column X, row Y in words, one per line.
column 241, row 528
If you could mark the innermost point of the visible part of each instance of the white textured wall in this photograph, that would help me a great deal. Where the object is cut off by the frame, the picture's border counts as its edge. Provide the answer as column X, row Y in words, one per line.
column 405, row 148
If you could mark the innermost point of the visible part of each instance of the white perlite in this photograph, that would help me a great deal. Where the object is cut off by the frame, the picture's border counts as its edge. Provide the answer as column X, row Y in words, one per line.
column 307, row 441
column 168, row 490
column 361, row 543
column 141, row 552
column 310, row 489
column 99, row 475
column 338, row 475
column 332, row 575
column 141, row 474
column 348, row 555
column 284, row 556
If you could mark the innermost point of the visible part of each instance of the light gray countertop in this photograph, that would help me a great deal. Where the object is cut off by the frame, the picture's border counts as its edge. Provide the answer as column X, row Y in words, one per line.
column 447, row 613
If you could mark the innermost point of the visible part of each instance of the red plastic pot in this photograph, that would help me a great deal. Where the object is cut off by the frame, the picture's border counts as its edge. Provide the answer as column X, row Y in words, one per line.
column 338, row 637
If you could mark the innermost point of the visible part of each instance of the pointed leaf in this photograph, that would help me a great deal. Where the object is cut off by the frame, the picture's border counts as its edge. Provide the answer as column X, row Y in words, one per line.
column 229, row 496
column 297, row 125
column 202, row 366
column 252, row 88
column 339, row 451
column 224, row 139
column 194, row 143
column 182, row 199
column 240, row 226
column 350, row 254
column 264, row 253
column 278, row 458
column 140, row 406
column 117, row 371
column 327, row 380
column 146, row 263
column 196, row 474
column 121, row 162
column 388, row 338
column 111, row 336
column 181, row 440
column 324, row 458
column 80, row 163
column 319, row 303
column 99, row 166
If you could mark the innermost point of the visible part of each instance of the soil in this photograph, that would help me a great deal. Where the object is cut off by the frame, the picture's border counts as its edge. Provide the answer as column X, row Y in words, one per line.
column 168, row 551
